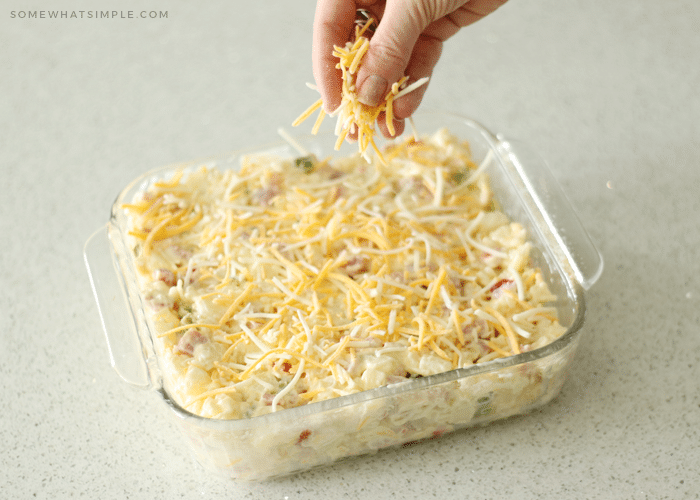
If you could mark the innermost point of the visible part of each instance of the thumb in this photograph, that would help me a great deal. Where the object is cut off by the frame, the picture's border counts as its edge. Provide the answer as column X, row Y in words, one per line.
column 392, row 44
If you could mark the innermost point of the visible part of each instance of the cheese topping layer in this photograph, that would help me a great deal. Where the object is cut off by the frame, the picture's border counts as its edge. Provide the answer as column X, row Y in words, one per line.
column 295, row 281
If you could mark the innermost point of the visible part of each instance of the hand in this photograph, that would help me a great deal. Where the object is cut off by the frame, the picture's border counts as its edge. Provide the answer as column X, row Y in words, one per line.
column 408, row 41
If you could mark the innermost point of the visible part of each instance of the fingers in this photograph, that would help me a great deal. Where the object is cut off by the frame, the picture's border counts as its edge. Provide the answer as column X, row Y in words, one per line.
column 407, row 41
column 426, row 54
column 474, row 10
column 399, row 126
column 417, row 28
column 388, row 54
column 393, row 46
column 333, row 25
column 465, row 15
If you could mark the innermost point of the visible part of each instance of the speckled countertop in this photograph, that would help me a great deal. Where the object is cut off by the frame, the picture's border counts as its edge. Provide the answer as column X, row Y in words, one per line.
column 607, row 92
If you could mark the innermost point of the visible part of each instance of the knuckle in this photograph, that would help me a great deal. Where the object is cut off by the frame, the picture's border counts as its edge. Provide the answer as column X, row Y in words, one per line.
column 391, row 53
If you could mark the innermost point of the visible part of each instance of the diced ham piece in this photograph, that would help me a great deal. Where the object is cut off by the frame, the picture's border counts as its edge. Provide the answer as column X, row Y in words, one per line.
column 289, row 401
column 501, row 286
column 335, row 193
column 478, row 327
column 458, row 283
column 265, row 195
column 414, row 185
column 190, row 340
column 156, row 301
column 357, row 265
column 330, row 173
column 180, row 252
column 397, row 276
column 485, row 349
column 166, row 276
column 303, row 436
column 492, row 260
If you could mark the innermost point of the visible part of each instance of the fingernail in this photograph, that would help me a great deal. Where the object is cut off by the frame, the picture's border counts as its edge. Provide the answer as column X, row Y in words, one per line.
column 372, row 90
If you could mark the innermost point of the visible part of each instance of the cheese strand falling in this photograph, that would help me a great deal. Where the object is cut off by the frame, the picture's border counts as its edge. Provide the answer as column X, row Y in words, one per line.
column 352, row 116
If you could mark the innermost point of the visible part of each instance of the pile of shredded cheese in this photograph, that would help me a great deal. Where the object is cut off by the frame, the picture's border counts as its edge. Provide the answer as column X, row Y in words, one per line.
column 293, row 281
column 353, row 116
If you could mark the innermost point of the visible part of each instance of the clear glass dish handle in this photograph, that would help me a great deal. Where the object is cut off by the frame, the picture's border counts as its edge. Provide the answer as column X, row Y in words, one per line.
column 125, row 349
column 548, row 203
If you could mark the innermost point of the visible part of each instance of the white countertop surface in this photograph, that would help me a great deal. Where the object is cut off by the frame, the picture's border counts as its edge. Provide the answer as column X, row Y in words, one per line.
column 607, row 92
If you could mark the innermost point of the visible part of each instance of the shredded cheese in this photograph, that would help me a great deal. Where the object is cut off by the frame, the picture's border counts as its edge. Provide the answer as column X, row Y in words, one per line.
column 353, row 117
column 297, row 280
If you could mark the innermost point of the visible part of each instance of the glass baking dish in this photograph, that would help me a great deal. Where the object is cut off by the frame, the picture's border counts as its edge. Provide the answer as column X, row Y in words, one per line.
column 315, row 434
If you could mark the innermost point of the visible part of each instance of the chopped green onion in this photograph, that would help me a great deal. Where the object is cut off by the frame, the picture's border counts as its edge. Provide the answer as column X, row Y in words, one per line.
column 306, row 163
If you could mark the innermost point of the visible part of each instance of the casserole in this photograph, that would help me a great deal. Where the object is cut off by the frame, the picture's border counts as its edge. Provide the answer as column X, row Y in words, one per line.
column 273, row 443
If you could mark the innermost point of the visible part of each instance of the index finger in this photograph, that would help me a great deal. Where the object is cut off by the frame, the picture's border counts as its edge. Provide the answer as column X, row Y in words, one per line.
column 334, row 22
